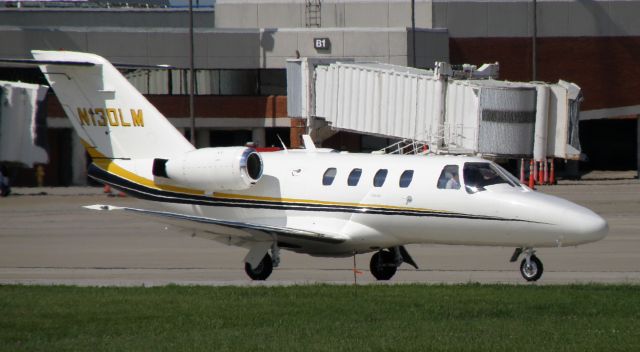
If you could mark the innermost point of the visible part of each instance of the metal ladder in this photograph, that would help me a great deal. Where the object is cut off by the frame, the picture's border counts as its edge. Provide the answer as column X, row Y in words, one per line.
column 312, row 10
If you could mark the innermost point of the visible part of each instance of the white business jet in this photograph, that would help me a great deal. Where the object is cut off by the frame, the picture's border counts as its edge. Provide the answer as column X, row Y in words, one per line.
column 313, row 201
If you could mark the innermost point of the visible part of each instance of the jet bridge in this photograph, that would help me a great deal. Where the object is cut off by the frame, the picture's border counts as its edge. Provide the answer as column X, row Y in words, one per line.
column 462, row 111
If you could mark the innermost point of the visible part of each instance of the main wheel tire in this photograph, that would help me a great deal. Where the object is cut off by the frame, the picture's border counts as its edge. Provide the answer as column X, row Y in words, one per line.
column 382, row 265
column 262, row 271
column 534, row 271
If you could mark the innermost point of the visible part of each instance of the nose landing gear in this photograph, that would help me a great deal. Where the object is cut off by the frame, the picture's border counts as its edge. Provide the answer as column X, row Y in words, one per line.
column 531, row 267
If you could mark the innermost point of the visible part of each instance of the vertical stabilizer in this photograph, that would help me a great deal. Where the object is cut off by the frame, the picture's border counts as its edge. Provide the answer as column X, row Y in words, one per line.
column 110, row 115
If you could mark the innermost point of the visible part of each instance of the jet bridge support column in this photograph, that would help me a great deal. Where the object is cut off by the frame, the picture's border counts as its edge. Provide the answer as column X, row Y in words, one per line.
column 258, row 136
column 442, row 71
column 540, row 140
column 78, row 161
column 298, row 128
column 203, row 138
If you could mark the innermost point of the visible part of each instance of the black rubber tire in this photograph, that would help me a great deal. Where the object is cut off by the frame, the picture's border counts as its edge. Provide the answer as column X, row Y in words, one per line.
column 535, row 272
column 382, row 265
column 263, row 271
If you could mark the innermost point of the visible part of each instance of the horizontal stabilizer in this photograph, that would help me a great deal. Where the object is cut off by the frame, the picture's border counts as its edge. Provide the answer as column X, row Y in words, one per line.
column 102, row 207
column 32, row 63
column 35, row 63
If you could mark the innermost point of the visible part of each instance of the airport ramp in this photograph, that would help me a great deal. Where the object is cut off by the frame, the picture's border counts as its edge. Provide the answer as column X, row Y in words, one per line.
column 442, row 110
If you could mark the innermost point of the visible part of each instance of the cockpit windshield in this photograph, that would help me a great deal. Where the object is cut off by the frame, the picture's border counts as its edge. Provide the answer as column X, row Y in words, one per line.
column 479, row 175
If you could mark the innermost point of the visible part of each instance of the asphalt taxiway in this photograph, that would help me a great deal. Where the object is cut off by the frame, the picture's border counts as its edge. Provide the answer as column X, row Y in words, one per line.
column 46, row 237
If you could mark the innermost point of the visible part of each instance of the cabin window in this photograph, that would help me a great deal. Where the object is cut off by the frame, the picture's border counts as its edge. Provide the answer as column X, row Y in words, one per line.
column 405, row 178
column 354, row 177
column 329, row 176
column 380, row 177
column 449, row 178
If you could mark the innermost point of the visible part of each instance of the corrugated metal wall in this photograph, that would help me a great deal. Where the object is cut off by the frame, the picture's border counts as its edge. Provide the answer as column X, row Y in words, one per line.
column 507, row 120
column 375, row 98
column 460, row 126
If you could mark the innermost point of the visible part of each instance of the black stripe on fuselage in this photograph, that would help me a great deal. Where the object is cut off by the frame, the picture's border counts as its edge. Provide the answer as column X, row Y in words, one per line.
column 147, row 193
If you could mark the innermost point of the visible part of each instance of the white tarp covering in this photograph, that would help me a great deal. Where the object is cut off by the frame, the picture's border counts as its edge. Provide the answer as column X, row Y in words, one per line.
column 20, row 122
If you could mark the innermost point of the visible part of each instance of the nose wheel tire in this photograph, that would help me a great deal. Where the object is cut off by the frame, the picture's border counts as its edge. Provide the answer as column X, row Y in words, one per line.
column 383, row 265
column 533, row 271
column 262, row 271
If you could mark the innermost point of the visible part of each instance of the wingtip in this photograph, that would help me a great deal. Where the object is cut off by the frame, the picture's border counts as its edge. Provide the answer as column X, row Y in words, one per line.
column 102, row 207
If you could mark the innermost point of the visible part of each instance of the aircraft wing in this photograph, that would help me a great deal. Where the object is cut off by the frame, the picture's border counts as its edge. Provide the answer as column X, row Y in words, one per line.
column 216, row 228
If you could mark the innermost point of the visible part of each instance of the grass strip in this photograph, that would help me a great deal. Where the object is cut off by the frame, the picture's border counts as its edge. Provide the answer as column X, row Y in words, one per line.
column 321, row 318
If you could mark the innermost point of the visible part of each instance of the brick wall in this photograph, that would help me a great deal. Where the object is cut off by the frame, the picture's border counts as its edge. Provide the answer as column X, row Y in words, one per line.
column 606, row 68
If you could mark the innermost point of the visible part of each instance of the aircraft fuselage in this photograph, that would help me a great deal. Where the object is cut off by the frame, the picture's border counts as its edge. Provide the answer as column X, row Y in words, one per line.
column 291, row 193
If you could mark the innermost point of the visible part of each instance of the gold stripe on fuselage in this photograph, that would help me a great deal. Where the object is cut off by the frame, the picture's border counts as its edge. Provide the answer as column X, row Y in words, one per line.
column 232, row 196
column 108, row 165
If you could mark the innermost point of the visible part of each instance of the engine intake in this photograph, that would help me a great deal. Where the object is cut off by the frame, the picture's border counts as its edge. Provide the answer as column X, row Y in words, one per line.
column 213, row 169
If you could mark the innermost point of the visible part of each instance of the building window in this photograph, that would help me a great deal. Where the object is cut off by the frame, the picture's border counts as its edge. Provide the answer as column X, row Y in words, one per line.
column 329, row 175
column 405, row 178
column 241, row 82
column 380, row 177
column 354, row 177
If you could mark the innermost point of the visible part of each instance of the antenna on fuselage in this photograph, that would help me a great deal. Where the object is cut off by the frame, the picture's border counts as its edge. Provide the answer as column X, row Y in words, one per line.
column 308, row 142
column 281, row 142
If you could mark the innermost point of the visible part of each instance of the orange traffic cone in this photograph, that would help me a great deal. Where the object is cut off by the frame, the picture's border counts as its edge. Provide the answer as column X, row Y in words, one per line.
column 541, row 173
column 532, row 173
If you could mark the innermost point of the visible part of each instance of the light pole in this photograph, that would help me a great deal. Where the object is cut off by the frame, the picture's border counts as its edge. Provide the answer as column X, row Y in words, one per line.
column 534, row 38
column 192, row 83
column 413, row 32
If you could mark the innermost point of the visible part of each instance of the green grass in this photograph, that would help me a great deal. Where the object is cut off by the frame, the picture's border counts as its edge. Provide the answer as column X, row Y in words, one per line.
column 321, row 318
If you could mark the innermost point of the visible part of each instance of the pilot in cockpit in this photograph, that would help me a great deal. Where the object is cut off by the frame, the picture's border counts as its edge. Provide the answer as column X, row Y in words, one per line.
column 449, row 178
column 454, row 181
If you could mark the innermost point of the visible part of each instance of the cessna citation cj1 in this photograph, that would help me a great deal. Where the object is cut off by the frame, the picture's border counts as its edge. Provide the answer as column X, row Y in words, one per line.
column 312, row 201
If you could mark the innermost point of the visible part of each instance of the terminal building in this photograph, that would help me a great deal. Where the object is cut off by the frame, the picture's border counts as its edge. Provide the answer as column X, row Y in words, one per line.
column 241, row 48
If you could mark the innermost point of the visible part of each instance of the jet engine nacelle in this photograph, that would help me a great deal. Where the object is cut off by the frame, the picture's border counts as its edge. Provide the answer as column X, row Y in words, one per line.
column 213, row 169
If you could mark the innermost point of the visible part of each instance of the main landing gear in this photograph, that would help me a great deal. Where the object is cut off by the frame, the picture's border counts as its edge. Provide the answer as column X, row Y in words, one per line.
column 531, row 267
column 385, row 262
column 262, row 271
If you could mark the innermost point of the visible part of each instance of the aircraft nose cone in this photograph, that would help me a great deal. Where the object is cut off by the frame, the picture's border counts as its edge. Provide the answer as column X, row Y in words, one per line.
column 595, row 227
column 588, row 226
